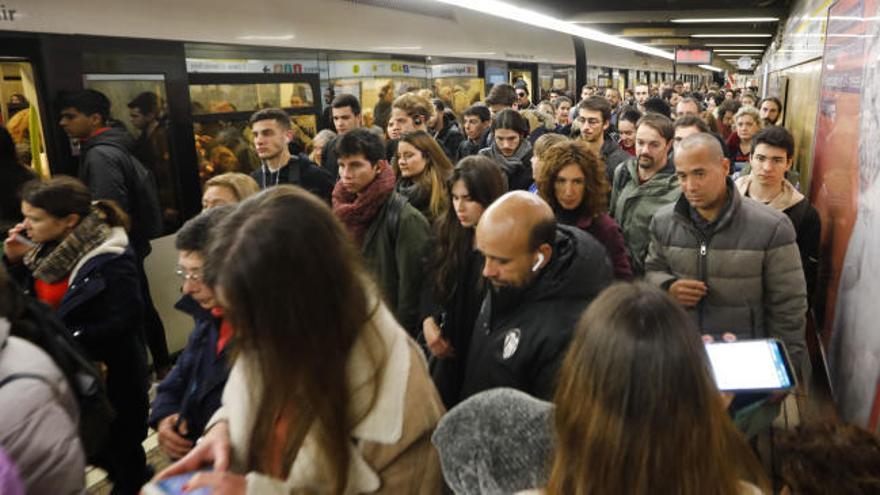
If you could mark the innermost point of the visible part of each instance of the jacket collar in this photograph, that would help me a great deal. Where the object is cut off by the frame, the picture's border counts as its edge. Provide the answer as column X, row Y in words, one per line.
column 785, row 200
column 683, row 207
column 633, row 167
column 115, row 245
column 188, row 305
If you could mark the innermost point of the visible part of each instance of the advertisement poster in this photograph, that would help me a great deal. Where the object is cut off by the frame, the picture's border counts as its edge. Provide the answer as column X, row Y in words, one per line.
column 846, row 191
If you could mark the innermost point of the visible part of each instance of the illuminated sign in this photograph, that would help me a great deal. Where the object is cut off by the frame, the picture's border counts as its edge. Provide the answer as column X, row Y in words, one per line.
column 693, row 57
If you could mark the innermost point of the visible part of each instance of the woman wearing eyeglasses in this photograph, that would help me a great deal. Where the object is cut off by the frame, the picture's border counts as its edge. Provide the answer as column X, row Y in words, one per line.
column 74, row 256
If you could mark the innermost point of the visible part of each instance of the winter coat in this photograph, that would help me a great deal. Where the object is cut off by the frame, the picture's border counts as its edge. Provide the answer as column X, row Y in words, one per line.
column 521, row 335
column 300, row 171
column 749, row 260
column 517, row 167
column 12, row 177
column 633, row 205
column 468, row 147
column 612, row 155
column 391, row 449
column 605, row 230
column 38, row 424
column 450, row 137
column 395, row 255
column 194, row 386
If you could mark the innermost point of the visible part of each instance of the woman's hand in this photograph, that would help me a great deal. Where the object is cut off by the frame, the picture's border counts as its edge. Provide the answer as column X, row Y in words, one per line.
column 438, row 346
column 219, row 483
column 14, row 248
column 212, row 449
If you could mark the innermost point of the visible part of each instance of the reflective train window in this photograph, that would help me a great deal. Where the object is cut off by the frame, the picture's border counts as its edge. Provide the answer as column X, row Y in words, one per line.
column 138, row 103
column 459, row 93
column 222, row 98
column 20, row 113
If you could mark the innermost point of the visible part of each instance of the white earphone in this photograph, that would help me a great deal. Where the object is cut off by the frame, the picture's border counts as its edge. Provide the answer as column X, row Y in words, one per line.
column 538, row 263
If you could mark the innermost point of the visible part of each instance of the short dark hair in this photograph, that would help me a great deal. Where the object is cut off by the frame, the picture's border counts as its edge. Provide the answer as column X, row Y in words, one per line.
column 691, row 121
column 657, row 105
column 196, row 232
column 347, row 100
column 87, row 102
column 630, row 114
column 439, row 106
column 360, row 142
column 480, row 111
column 562, row 99
column 731, row 106
column 543, row 232
column 775, row 136
column 276, row 114
column 521, row 85
column 597, row 104
column 501, row 94
column 660, row 123
column 512, row 120
column 146, row 102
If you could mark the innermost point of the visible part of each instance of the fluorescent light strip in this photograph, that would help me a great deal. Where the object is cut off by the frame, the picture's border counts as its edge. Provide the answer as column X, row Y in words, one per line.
column 734, row 35
column 736, row 44
column 725, row 20
column 509, row 11
column 710, row 67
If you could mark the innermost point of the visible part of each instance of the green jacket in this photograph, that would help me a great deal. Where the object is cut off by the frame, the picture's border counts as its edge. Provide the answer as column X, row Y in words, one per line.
column 394, row 255
column 633, row 206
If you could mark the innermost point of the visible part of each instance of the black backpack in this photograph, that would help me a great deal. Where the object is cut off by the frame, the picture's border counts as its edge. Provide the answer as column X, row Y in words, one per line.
column 37, row 324
column 146, row 213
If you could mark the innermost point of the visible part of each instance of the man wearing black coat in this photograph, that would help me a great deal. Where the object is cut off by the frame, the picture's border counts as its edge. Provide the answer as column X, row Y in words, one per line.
column 542, row 276
column 272, row 132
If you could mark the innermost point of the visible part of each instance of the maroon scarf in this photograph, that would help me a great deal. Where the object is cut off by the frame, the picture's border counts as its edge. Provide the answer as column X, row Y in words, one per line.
column 358, row 211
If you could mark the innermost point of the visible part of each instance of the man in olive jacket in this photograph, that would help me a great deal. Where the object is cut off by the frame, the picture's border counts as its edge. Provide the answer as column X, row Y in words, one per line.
column 731, row 261
column 392, row 235
column 642, row 185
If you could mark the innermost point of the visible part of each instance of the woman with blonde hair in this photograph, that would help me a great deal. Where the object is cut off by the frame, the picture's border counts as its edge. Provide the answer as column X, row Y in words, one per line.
column 422, row 168
column 637, row 409
column 746, row 123
column 227, row 189
column 317, row 146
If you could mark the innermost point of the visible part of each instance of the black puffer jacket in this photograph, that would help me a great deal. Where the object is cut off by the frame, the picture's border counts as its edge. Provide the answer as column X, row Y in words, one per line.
column 450, row 137
column 520, row 338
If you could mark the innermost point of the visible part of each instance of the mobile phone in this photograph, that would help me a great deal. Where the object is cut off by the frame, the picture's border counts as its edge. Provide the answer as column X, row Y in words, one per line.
column 173, row 486
column 24, row 240
column 751, row 366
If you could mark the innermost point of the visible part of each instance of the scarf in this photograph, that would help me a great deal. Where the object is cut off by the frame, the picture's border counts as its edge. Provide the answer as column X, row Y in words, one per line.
column 512, row 164
column 783, row 201
column 416, row 194
column 56, row 264
column 357, row 211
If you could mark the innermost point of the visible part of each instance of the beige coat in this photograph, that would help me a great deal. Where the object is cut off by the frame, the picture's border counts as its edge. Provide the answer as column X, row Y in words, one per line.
column 391, row 451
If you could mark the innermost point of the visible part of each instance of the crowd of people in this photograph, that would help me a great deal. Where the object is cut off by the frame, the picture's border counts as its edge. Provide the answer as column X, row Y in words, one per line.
column 509, row 300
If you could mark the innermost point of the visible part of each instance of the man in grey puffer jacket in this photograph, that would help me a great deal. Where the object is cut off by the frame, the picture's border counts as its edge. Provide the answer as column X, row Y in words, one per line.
column 731, row 261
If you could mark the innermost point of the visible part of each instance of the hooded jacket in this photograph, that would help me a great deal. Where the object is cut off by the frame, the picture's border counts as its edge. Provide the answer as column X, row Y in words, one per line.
column 450, row 137
column 633, row 205
column 748, row 259
column 613, row 155
column 517, row 167
column 521, row 335
column 38, row 426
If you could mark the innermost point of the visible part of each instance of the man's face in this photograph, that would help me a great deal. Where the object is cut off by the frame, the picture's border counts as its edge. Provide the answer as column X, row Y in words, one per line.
column 748, row 100
column 769, row 112
column 586, row 92
column 563, row 113
column 474, row 127
column 641, row 94
column 508, row 260
column 356, row 172
column 769, row 164
column 674, row 99
column 591, row 124
column 270, row 139
column 727, row 119
column 703, row 179
column 729, row 95
column 677, row 87
column 507, row 141
column 345, row 120
column 138, row 119
column 651, row 148
column 683, row 132
column 688, row 107
column 522, row 98
column 687, row 87
column 77, row 124
column 189, row 266
column 400, row 123
column 627, row 131
column 613, row 97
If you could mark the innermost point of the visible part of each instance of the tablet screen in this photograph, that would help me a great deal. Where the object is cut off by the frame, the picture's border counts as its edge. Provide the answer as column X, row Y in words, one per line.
column 749, row 365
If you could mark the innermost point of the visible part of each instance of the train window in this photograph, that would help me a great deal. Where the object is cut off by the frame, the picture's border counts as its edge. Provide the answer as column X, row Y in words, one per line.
column 225, row 98
column 138, row 102
column 20, row 113
column 459, row 93
column 370, row 92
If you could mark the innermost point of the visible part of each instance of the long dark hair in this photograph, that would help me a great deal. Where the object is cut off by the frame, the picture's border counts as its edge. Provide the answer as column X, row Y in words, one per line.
column 293, row 288
column 485, row 183
column 637, row 410
column 62, row 196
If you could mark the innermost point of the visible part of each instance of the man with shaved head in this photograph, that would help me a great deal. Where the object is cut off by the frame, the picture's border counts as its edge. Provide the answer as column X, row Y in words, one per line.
column 731, row 261
column 542, row 276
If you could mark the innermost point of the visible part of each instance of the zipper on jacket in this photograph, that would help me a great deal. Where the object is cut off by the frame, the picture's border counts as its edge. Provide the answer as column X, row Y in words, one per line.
column 704, row 251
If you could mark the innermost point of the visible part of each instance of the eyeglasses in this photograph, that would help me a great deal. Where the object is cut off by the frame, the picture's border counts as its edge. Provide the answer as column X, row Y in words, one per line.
column 590, row 122
column 194, row 277
column 521, row 94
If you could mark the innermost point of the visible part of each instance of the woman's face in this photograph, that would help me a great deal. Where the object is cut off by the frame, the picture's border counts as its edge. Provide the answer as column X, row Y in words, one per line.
column 410, row 160
column 569, row 187
column 467, row 210
column 218, row 196
column 42, row 226
column 746, row 127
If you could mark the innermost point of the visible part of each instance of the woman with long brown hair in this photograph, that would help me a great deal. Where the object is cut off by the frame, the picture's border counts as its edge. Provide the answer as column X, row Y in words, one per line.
column 421, row 168
column 573, row 183
column 637, row 409
column 327, row 393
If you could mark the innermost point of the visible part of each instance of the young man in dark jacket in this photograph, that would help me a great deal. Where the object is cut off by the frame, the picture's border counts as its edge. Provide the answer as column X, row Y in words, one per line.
column 345, row 112
column 445, row 129
column 477, row 121
column 272, row 133
column 542, row 277
column 594, row 120
column 190, row 394
column 392, row 235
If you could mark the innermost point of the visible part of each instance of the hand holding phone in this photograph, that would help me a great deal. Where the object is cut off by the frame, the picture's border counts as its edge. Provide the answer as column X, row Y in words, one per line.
column 17, row 244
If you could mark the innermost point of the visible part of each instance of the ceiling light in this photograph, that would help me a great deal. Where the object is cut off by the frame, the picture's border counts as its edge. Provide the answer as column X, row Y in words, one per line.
column 736, row 44
column 735, row 35
column 725, row 20
column 509, row 11
column 710, row 67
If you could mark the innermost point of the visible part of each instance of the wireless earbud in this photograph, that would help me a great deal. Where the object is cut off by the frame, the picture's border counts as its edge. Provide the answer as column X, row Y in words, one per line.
column 417, row 120
column 538, row 263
